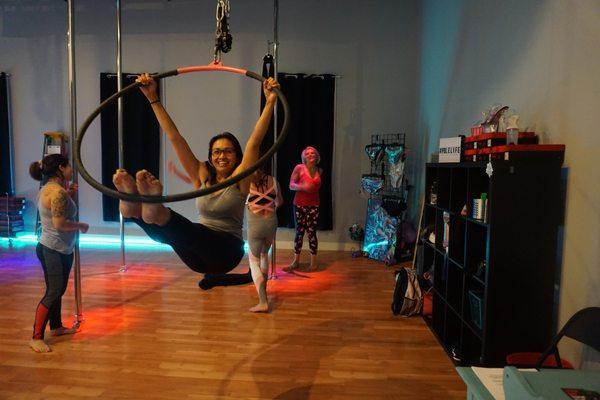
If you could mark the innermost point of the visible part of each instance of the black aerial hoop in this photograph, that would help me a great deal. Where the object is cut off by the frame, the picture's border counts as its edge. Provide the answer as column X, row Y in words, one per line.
column 187, row 195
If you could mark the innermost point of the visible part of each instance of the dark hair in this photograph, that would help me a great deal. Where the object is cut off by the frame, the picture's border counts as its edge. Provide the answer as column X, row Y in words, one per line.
column 262, row 183
column 212, row 172
column 48, row 167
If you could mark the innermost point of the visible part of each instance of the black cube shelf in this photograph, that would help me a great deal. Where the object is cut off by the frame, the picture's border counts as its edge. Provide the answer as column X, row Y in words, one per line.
column 481, row 313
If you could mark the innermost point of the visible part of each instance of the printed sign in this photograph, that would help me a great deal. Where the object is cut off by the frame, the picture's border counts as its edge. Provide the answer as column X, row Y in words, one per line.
column 450, row 149
column 53, row 149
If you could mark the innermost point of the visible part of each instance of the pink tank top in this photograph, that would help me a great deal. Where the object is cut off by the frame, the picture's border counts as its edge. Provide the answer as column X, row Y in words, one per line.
column 311, row 197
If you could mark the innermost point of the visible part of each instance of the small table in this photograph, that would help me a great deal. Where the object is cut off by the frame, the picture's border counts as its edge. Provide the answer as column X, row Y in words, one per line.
column 546, row 384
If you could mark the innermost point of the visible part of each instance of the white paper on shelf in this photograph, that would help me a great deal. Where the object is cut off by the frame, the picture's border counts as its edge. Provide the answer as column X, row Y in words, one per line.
column 492, row 379
column 53, row 149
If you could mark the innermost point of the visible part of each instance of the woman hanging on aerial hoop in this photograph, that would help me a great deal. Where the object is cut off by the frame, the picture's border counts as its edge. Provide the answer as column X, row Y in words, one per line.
column 214, row 245
column 211, row 280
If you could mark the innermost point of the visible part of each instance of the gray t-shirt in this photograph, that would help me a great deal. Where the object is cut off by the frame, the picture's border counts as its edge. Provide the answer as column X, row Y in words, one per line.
column 61, row 241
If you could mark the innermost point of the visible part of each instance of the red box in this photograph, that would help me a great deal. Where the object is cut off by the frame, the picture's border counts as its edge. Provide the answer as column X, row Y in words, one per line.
column 476, row 130
column 528, row 152
column 471, row 154
column 497, row 139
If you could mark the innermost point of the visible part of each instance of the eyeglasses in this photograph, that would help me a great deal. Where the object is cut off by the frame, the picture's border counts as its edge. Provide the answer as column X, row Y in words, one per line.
column 228, row 151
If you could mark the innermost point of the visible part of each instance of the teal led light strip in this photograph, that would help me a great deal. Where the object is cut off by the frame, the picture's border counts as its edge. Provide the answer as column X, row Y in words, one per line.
column 91, row 241
column 98, row 241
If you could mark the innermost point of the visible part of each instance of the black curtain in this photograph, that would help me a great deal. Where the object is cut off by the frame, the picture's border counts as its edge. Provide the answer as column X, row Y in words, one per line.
column 141, row 137
column 311, row 100
column 6, row 161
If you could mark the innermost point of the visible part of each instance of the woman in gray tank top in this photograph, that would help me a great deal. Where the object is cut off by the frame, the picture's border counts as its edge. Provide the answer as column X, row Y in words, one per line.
column 263, row 200
column 214, row 244
column 55, row 247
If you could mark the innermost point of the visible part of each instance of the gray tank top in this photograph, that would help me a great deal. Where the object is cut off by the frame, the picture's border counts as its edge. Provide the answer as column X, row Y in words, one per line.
column 224, row 211
column 61, row 241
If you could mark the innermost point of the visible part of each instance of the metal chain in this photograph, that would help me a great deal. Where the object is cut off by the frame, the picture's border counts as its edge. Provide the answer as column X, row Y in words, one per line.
column 223, row 39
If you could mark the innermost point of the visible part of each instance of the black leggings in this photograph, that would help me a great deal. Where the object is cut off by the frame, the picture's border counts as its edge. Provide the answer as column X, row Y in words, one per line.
column 202, row 249
column 212, row 280
column 306, row 221
column 57, row 267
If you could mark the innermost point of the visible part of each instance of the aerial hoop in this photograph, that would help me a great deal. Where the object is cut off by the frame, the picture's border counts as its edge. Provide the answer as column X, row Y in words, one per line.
column 187, row 195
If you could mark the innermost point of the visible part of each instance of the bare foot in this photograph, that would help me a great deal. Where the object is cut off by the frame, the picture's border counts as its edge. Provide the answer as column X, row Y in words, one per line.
column 63, row 331
column 39, row 346
column 291, row 267
column 147, row 184
column 125, row 183
column 260, row 308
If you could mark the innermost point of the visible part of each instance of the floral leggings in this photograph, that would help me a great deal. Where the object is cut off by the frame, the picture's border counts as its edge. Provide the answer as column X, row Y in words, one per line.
column 306, row 220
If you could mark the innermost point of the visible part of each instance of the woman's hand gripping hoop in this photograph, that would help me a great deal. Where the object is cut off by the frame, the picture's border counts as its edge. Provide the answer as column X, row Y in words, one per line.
column 196, row 193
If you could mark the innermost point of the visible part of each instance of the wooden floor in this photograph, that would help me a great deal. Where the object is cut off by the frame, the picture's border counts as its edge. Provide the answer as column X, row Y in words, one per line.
column 151, row 333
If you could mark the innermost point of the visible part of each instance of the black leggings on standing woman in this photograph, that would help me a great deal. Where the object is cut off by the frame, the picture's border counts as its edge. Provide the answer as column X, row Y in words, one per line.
column 306, row 221
column 57, row 267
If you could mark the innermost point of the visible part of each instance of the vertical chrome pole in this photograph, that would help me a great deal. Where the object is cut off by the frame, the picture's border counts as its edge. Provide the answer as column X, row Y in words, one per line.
column 120, row 129
column 73, row 129
column 11, row 159
column 274, row 162
column 11, row 155
column 163, row 139
column 8, row 230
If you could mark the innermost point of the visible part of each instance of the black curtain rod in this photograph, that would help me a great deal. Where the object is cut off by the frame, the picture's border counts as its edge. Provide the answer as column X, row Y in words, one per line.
column 322, row 76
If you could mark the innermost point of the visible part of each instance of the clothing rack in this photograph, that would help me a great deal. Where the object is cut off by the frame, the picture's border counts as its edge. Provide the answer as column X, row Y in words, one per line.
column 383, row 168
column 391, row 199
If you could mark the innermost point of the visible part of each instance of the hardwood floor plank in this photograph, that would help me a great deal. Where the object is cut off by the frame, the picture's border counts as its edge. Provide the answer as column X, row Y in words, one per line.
column 151, row 333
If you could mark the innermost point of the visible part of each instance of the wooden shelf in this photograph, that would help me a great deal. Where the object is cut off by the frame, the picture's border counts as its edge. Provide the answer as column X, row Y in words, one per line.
column 475, row 221
column 517, row 245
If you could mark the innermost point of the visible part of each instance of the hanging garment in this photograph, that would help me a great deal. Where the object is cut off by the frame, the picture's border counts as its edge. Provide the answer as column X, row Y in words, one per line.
column 394, row 152
column 396, row 173
column 372, row 184
column 380, row 232
column 374, row 152
column 396, row 156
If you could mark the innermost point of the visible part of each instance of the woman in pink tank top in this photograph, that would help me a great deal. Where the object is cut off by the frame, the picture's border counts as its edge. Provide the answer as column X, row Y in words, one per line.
column 306, row 181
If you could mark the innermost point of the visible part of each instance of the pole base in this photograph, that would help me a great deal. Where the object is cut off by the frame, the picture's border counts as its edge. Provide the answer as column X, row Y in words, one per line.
column 78, row 321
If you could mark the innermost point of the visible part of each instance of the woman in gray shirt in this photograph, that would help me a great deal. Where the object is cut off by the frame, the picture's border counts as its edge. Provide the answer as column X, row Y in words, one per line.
column 55, row 247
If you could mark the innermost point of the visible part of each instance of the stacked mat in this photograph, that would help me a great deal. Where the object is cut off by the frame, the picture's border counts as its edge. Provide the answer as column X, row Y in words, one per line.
column 11, row 215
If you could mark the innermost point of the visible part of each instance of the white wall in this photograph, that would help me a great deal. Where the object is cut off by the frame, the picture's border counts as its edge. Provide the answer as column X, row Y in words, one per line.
column 542, row 58
column 371, row 45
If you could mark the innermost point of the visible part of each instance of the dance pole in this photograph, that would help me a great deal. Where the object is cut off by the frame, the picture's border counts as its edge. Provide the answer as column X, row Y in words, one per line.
column 274, row 163
column 73, row 129
column 11, row 157
column 120, row 129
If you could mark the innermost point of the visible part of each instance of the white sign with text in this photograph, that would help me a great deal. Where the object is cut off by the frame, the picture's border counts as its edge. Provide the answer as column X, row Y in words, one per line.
column 450, row 149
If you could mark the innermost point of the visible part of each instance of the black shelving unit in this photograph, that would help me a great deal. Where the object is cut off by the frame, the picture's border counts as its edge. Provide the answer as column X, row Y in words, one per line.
column 518, row 242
